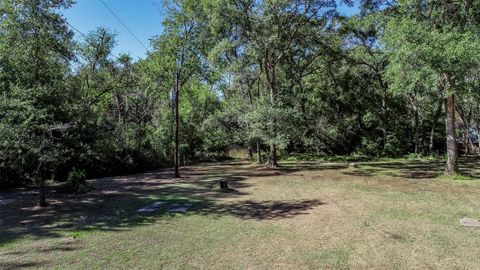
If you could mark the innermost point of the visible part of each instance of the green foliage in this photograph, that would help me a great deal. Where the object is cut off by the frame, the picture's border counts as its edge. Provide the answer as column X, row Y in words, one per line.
column 289, row 74
column 35, row 48
column 457, row 177
column 76, row 182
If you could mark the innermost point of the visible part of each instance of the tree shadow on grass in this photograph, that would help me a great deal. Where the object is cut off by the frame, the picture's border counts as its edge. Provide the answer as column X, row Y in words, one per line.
column 65, row 247
column 113, row 205
column 266, row 210
column 312, row 166
column 21, row 265
column 408, row 169
column 415, row 169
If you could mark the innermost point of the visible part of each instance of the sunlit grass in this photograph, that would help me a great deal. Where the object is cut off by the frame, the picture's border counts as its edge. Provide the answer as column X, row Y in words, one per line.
column 306, row 215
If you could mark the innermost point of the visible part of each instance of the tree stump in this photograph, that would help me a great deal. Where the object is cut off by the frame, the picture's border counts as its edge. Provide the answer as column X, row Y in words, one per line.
column 224, row 186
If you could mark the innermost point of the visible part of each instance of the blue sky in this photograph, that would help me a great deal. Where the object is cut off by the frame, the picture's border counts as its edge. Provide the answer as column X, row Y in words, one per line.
column 143, row 18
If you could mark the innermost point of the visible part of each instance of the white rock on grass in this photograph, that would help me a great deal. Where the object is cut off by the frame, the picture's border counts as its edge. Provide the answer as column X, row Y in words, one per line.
column 175, row 207
column 179, row 207
column 151, row 207
column 470, row 222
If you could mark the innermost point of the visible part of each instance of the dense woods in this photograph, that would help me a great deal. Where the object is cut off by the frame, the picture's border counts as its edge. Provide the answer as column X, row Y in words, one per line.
column 277, row 77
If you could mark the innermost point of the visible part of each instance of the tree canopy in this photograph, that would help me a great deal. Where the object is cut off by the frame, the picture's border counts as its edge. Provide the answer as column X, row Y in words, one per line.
column 277, row 76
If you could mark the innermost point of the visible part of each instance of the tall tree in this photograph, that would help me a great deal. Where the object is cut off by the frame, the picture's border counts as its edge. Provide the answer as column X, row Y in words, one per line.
column 177, row 56
column 442, row 38
column 35, row 47
column 272, row 32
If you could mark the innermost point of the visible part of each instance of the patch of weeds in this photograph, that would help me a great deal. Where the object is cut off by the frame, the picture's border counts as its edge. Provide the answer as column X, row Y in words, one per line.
column 76, row 234
column 457, row 177
column 371, row 170
column 8, row 243
column 367, row 223
column 413, row 156
column 291, row 158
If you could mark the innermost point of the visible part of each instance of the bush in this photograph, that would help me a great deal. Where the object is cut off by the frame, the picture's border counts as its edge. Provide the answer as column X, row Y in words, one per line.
column 76, row 182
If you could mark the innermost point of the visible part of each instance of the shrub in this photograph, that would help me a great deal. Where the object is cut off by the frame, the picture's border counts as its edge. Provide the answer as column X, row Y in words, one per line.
column 76, row 182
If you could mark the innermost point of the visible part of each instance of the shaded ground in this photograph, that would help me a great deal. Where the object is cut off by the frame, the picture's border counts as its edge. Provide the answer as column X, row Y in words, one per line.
column 304, row 215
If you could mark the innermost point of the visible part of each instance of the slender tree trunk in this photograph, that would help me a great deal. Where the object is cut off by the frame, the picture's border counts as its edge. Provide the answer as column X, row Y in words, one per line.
column 452, row 153
column 42, row 193
column 384, row 121
column 436, row 115
column 120, row 110
column 250, row 152
column 177, row 128
column 272, row 159
column 40, row 181
column 417, row 142
column 259, row 153
column 467, row 7
column 416, row 120
column 465, row 118
column 477, row 122
column 469, row 142
column 384, row 110
column 271, row 79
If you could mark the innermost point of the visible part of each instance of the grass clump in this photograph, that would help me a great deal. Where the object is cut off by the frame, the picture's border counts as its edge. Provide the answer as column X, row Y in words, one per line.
column 75, row 234
column 458, row 177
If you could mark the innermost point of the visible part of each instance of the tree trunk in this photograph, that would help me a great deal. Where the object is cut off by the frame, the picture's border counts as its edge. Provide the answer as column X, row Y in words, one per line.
column 416, row 120
column 177, row 129
column 467, row 7
column 477, row 121
column 467, row 144
column 120, row 108
column 436, row 115
column 250, row 152
column 272, row 159
column 452, row 153
column 384, row 121
column 416, row 132
column 224, row 186
column 271, row 80
column 42, row 193
column 259, row 154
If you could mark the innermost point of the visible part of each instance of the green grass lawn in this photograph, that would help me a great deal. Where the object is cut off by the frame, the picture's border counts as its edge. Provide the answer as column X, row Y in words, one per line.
column 306, row 215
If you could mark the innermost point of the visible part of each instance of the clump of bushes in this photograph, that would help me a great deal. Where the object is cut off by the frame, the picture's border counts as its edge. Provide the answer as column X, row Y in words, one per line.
column 76, row 182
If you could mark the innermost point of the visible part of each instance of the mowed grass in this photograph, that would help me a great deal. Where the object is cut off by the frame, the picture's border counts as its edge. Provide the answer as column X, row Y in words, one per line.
column 306, row 215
